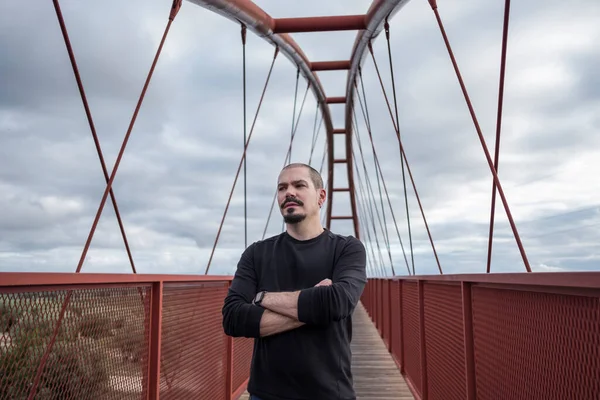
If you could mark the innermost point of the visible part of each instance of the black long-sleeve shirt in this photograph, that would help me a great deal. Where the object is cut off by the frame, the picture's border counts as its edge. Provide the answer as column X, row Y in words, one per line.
column 313, row 361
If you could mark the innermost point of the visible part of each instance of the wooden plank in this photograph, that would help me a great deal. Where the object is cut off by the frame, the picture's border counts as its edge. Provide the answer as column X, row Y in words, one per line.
column 244, row 396
column 376, row 376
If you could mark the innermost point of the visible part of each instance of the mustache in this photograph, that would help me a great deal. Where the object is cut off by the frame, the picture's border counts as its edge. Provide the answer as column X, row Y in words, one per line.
column 291, row 200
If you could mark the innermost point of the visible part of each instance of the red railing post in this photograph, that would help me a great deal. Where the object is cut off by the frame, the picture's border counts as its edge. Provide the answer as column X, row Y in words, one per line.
column 229, row 373
column 156, row 300
column 380, row 307
column 371, row 298
column 401, row 344
column 469, row 344
column 374, row 297
column 389, row 314
column 421, row 303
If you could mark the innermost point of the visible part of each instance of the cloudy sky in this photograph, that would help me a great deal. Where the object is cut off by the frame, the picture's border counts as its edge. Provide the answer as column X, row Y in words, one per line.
column 181, row 160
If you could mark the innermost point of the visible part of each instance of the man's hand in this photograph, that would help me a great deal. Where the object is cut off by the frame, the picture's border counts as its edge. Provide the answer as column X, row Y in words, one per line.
column 324, row 282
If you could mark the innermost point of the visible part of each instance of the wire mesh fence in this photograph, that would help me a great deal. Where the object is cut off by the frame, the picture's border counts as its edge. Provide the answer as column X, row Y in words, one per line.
column 86, row 340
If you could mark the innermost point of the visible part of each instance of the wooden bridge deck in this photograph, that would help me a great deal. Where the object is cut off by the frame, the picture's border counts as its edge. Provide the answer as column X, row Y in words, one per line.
column 376, row 376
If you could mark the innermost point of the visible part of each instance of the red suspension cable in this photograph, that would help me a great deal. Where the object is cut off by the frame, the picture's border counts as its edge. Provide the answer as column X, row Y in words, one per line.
column 498, row 129
column 237, row 174
column 406, row 161
column 480, row 134
column 174, row 10
column 88, row 114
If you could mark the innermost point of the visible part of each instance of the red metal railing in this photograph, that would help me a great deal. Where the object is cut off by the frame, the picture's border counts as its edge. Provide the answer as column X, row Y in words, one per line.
column 492, row 336
column 517, row 336
column 121, row 336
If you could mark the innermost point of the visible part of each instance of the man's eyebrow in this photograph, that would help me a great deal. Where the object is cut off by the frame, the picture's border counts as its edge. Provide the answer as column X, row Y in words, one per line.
column 293, row 182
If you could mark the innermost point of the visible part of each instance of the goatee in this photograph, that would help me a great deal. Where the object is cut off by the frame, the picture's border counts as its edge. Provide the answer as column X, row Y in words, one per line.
column 293, row 218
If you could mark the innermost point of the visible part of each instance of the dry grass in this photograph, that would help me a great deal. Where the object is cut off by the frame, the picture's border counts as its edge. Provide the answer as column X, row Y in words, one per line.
column 102, row 339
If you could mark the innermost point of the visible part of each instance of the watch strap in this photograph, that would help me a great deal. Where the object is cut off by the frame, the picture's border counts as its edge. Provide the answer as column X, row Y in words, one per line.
column 259, row 297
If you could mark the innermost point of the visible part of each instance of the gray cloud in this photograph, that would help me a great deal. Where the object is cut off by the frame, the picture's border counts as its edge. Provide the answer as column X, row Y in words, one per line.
column 180, row 162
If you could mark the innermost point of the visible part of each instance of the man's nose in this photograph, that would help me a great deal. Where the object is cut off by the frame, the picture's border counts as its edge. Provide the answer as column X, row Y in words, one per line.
column 290, row 192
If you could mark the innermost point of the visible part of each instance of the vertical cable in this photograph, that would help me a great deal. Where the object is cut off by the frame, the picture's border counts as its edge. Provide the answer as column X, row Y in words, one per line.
column 387, row 35
column 294, row 112
column 287, row 156
column 378, row 170
column 369, row 187
column 412, row 180
column 245, row 138
column 316, row 132
column 237, row 174
column 293, row 124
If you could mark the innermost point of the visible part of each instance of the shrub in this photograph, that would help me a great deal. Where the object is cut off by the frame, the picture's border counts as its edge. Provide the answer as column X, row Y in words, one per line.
column 131, row 341
column 72, row 370
column 95, row 326
column 8, row 317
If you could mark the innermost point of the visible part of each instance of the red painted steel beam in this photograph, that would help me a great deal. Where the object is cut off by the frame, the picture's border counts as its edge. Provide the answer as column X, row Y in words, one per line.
column 329, row 65
column 589, row 280
column 341, row 189
column 72, row 278
column 336, row 100
column 340, row 161
column 342, row 217
column 469, row 344
column 379, row 12
column 155, row 339
column 339, row 131
column 320, row 24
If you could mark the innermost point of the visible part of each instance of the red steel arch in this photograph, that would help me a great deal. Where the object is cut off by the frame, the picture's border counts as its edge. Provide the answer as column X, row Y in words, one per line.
column 275, row 31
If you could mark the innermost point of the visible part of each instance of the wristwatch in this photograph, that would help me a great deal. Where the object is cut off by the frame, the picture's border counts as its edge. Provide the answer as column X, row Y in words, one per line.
column 259, row 298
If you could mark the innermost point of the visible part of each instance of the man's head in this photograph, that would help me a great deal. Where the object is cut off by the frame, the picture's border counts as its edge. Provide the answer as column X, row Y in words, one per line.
column 300, row 193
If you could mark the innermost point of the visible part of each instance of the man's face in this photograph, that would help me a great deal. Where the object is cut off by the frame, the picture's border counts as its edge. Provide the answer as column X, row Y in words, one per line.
column 297, row 196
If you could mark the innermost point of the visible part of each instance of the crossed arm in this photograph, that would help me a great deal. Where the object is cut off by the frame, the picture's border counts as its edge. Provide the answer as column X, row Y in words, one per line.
column 329, row 300
column 281, row 312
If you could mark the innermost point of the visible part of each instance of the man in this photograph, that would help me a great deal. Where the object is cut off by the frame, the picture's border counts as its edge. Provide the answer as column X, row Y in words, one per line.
column 295, row 294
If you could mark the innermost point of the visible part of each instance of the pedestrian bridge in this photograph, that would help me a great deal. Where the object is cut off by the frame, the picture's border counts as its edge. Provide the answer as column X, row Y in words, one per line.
column 497, row 336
